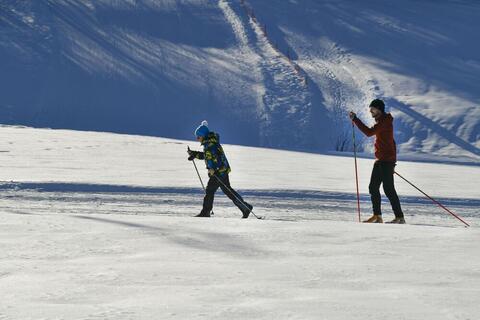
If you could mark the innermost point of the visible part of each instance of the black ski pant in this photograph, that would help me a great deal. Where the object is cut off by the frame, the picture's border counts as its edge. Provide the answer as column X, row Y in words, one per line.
column 383, row 173
column 212, row 187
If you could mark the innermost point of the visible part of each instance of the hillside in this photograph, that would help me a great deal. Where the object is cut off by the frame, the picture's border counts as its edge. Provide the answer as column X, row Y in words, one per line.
column 277, row 74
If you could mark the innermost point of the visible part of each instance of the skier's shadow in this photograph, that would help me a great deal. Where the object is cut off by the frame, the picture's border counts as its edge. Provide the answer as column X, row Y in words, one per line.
column 121, row 223
column 193, row 238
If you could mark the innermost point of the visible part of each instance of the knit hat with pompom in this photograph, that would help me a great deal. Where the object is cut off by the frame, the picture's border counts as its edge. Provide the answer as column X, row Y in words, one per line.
column 202, row 130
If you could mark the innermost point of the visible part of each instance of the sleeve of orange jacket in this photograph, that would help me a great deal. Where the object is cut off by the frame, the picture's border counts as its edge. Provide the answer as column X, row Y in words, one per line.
column 366, row 130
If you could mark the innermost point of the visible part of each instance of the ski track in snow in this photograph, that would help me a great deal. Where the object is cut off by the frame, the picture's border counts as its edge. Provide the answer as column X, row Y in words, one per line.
column 285, row 205
column 72, row 172
column 285, row 97
column 325, row 68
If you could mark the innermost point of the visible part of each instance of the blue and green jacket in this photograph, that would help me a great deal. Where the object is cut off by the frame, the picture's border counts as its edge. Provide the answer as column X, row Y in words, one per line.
column 213, row 154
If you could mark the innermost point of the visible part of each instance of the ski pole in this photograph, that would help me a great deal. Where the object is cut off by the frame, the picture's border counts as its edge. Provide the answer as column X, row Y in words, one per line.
column 356, row 170
column 434, row 201
column 198, row 174
column 242, row 202
column 199, row 177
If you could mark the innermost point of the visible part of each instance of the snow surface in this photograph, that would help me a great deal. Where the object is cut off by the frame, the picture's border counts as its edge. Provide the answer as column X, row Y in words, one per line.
column 99, row 226
column 267, row 73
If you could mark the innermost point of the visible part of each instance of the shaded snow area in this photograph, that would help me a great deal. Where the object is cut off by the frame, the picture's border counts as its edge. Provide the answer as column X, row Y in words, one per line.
column 99, row 226
column 418, row 56
column 273, row 73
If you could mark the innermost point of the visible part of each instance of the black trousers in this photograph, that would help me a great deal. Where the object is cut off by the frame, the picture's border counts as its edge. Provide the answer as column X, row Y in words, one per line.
column 212, row 187
column 383, row 173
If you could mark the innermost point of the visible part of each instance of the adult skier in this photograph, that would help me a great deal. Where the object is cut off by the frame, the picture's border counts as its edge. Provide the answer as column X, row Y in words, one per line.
column 386, row 158
column 218, row 170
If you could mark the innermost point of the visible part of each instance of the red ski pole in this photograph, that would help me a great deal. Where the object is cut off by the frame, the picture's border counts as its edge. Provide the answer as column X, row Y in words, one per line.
column 435, row 201
column 356, row 171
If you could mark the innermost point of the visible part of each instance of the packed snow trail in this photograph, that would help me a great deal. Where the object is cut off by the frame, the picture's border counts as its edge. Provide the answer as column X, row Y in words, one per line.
column 289, row 205
column 336, row 76
column 285, row 97
column 91, row 172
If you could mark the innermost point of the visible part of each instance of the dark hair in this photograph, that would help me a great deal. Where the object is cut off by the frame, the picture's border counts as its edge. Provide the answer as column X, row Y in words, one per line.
column 378, row 104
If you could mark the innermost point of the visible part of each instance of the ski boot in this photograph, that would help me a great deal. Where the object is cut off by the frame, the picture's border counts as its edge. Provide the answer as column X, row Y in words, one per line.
column 245, row 212
column 398, row 220
column 203, row 214
column 376, row 218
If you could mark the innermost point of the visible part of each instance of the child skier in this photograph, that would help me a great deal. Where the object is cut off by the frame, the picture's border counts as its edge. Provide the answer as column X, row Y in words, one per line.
column 218, row 170
column 386, row 157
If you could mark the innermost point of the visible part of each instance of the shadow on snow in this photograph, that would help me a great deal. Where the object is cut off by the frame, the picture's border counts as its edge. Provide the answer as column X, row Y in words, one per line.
column 285, row 195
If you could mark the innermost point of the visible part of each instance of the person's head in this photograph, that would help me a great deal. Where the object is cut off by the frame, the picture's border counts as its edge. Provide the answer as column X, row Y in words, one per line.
column 202, row 131
column 377, row 108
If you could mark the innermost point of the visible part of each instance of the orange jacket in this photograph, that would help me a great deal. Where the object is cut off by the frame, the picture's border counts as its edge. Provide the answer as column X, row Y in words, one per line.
column 385, row 147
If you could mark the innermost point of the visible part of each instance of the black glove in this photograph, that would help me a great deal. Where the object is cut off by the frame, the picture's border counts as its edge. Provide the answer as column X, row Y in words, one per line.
column 192, row 154
column 195, row 155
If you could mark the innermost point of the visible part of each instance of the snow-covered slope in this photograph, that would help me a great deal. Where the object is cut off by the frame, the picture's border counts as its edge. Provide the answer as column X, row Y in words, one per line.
column 143, row 67
column 420, row 56
column 98, row 226
column 264, row 73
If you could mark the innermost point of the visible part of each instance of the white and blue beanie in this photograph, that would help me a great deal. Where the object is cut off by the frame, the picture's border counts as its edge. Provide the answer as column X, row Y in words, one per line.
column 202, row 130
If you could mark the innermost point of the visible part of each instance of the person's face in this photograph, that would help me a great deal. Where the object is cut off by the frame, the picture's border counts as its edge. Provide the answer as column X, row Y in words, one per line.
column 375, row 112
column 199, row 139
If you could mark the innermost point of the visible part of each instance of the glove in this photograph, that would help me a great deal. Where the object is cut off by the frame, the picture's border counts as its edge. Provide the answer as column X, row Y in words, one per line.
column 211, row 172
column 352, row 115
column 191, row 155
